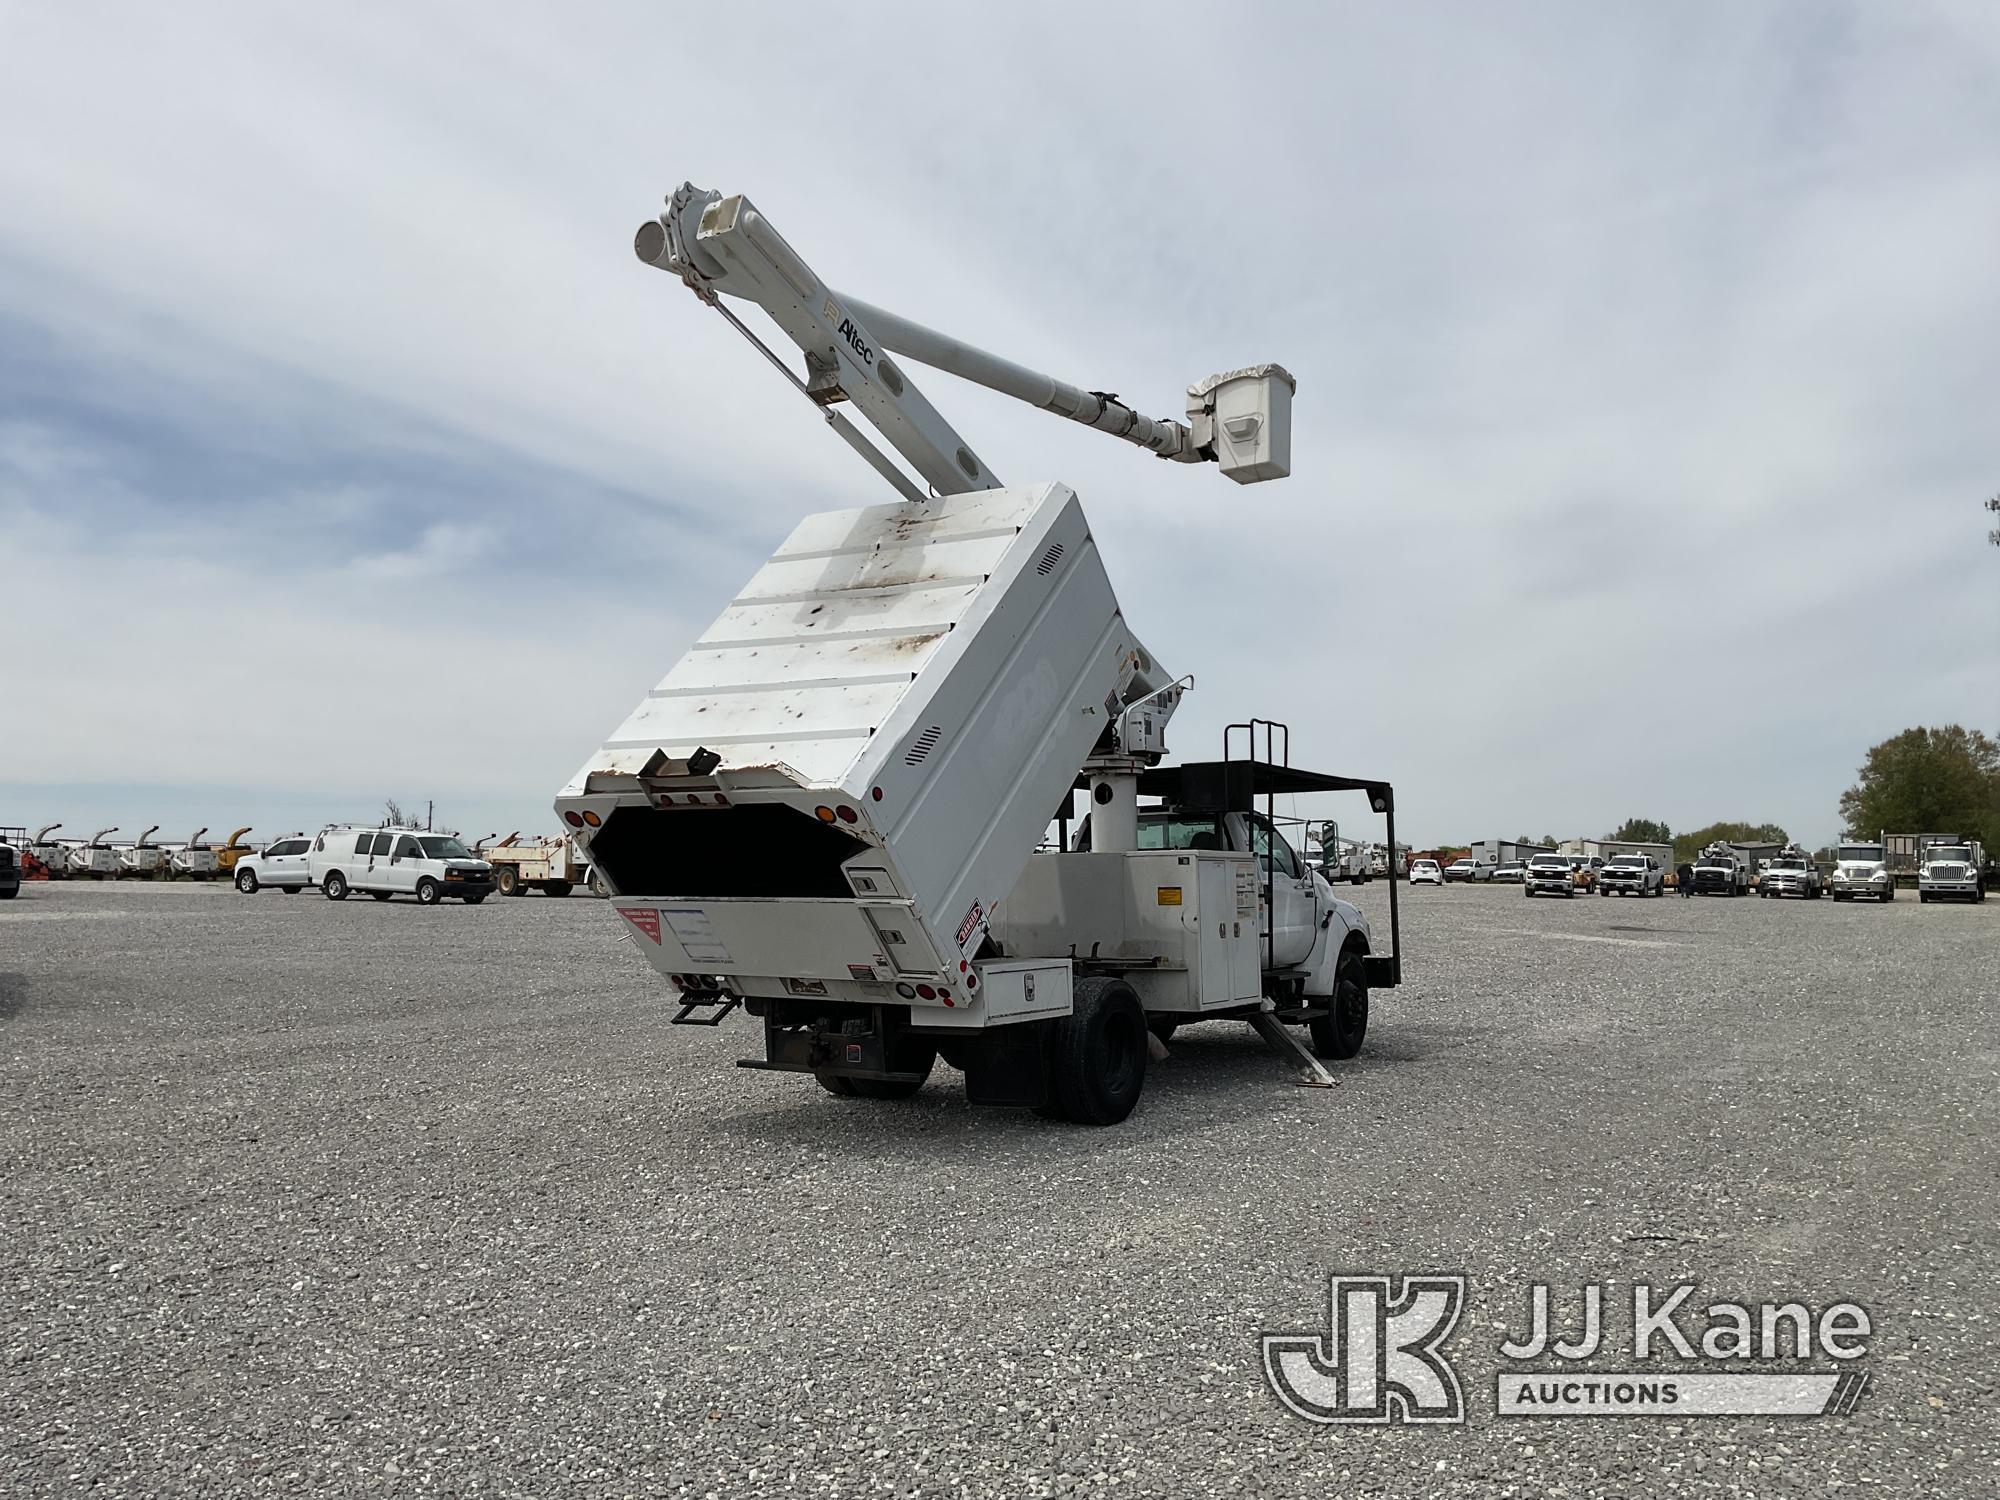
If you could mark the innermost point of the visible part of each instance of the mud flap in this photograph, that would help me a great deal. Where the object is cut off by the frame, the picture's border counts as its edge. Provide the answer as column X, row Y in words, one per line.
column 1009, row 1066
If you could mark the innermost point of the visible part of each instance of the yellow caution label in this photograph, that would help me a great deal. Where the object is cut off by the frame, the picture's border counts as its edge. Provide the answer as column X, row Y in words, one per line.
column 1170, row 895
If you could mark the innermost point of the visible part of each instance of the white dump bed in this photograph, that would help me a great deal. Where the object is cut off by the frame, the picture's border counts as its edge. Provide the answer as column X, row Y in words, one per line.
column 896, row 705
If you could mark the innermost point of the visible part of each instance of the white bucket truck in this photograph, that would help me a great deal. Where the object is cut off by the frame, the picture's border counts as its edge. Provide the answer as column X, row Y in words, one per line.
column 828, row 810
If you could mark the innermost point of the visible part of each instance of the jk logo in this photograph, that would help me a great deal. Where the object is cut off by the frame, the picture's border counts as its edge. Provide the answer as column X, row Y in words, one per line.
column 1380, row 1362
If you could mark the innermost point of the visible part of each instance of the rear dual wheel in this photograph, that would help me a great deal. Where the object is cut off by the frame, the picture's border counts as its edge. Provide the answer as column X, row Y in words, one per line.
column 1097, row 1054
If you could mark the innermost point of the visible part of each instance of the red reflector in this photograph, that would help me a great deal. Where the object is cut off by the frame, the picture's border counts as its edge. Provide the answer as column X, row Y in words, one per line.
column 847, row 814
column 876, row 794
column 972, row 983
column 574, row 819
column 925, row 992
column 950, row 1002
column 961, row 966
column 720, row 800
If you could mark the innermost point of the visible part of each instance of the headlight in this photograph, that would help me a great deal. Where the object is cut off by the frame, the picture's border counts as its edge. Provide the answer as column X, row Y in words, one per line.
column 1879, row 875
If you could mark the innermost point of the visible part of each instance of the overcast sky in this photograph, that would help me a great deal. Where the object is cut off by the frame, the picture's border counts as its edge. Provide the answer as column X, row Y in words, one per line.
column 1648, row 379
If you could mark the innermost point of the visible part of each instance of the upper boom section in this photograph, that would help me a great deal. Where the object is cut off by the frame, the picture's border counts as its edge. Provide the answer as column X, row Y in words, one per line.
column 1240, row 420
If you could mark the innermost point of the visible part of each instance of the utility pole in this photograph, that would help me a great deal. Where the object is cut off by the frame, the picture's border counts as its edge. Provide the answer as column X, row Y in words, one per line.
column 428, row 805
column 1994, row 506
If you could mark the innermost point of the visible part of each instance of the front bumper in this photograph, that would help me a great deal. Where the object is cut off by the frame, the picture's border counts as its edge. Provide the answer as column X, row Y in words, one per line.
column 1561, row 887
column 1947, row 888
column 466, row 885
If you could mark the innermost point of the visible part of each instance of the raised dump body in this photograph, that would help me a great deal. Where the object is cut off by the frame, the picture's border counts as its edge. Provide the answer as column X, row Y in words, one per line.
column 831, row 790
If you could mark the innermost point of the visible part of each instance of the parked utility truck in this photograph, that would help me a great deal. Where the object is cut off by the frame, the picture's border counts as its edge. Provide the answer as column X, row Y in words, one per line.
column 552, row 866
column 828, row 811
column 1720, row 871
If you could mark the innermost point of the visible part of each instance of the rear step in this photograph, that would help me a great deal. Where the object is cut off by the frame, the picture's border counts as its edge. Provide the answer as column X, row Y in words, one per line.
column 717, row 1006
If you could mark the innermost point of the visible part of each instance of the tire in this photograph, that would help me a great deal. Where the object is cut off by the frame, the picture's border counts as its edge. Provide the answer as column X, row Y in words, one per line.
column 557, row 888
column 429, row 893
column 1838, row 897
column 1339, row 1036
column 335, row 886
column 380, row 895
column 507, row 881
column 1097, row 1053
column 10, row 893
column 246, row 882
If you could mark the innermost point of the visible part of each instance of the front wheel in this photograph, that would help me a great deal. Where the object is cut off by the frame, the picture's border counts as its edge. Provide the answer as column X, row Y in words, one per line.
column 246, row 882
column 335, row 886
column 1339, row 1036
column 1097, row 1055
column 428, row 892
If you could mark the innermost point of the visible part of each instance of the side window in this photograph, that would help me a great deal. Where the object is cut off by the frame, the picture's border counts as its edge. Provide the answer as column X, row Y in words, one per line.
column 406, row 847
column 1180, row 833
column 364, row 844
column 1270, row 846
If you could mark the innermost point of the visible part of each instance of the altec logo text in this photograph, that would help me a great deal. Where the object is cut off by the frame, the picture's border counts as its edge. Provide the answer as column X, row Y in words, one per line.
column 1383, row 1360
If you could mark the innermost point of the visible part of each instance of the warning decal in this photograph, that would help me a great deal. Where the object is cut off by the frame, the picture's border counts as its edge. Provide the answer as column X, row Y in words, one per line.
column 645, row 918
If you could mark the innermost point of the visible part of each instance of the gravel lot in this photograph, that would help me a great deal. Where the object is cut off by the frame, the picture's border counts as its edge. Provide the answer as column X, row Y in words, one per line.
column 365, row 1199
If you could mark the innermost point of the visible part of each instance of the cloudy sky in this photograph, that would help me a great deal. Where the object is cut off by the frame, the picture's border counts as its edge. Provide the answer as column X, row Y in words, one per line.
column 1648, row 378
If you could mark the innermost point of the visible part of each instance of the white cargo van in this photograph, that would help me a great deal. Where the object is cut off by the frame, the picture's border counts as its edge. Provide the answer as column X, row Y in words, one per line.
column 387, row 862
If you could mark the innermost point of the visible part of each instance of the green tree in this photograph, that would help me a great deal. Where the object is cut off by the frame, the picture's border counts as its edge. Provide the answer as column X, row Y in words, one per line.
column 1688, row 845
column 1642, row 831
column 1928, row 781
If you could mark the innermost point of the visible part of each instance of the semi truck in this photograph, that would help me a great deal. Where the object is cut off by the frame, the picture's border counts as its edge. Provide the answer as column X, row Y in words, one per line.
column 829, row 811
column 1861, row 868
column 1952, row 868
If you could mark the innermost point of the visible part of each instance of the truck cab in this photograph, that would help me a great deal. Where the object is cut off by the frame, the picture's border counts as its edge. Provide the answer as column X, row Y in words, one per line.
column 1951, row 870
column 1718, row 872
column 1861, row 869
column 1301, row 898
column 1549, row 875
column 1790, row 872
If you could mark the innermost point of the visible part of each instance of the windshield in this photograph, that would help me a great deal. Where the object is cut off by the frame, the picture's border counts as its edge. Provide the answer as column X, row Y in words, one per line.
column 443, row 846
column 1549, row 862
column 1957, row 854
column 1860, row 854
column 1465, row 864
column 1629, row 862
column 1784, row 864
column 1427, row 864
